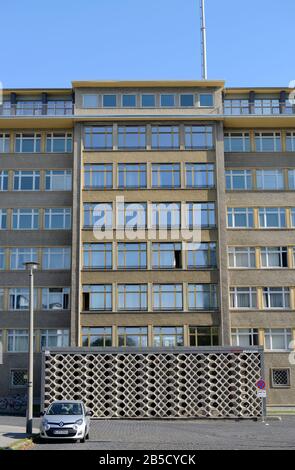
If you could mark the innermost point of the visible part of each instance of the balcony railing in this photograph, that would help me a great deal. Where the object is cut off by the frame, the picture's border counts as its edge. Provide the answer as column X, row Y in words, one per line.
column 243, row 107
column 62, row 108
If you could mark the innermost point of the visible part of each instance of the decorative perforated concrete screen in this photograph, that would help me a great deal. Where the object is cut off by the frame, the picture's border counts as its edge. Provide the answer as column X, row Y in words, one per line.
column 182, row 383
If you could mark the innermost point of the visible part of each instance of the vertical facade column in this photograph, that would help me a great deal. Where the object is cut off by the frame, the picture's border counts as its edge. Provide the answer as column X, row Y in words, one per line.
column 13, row 103
column 44, row 103
column 252, row 102
column 76, row 236
column 225, row 325
column 283, row 98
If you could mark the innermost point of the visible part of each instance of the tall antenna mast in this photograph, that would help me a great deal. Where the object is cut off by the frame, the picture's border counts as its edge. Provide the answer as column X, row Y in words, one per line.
column 203, row 40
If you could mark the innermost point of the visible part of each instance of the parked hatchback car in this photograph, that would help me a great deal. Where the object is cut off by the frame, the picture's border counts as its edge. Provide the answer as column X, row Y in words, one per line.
column 67, row 420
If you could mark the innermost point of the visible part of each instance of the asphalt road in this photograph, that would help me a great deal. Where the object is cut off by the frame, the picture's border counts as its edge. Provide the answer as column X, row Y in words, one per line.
column 180, row 435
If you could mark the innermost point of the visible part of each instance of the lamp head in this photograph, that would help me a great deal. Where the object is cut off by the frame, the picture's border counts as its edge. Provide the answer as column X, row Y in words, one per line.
column 31, row 266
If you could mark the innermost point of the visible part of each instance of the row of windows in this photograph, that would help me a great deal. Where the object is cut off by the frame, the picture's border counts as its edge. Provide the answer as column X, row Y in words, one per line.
column 272, row 298
column 162, row 215
column 31, row 142
column 134, row 297
column 135, row 175
column 48, row 258
column 163, row 137
column 30, row 219
column 31, row 180
column 251, row 141
column 275, row 339
column 267, row 217
column 261, row 106
column 135, row 256
column 49, row 298
column 147, row 100
column 37, row 108
column 263, row 257
column 264, row 180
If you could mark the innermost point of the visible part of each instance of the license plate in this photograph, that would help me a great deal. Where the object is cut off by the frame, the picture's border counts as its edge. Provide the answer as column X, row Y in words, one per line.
column 63, row 432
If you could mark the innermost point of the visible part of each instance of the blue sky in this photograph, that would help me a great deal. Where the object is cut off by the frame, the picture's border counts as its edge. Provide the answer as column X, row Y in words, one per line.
column 49, row 43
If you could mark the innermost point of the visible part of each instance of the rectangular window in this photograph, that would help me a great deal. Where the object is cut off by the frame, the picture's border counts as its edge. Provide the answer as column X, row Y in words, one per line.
column 166, row 175
column 293, row 217
column 19, row 256
column 26, row 181
column 243, row 297
column 276, row 297
column 290, row 141
column 25, row 219
column 280, row 378
column 198, row 137
column 97, row 297
column 270, row 179
column 201, row 256
column 19, row 378
column 166, row 256
column 132, row 256
column 166, row 215
column 132, row 297
column 168, row 337
column 109, row 101
column 274, row 257
column 2, row 258
column 268, row 142
column 165, row 137
column 167, row 297
column 240, row 217
column 17, row 341
column 28, row 108
column 136, row 337
column 203, row 336
column 241, row 257
column 4, row 143
column 97, row 255
column 57, row 219
column 200, row 214
column 56, row 258
column 267, row 106
column 148, row 101
column 131, row 137
column 206, row 100
column 238, row 180
column 56, row 298
column 236, row 107
column 19, row 299
column 3, row 219
column 99, row 137
column 129, row 101
column 54, row 339
column 200, row 175
column 28, row 143
column 58, row 180
column 97, row 337
column 202, row 297
column 187, row 101
column 244, row 337
column 131, row 216
column 60, row 107
column 59, row 142
column 277, row 339
column 100, row 215
column 291, row 179
column 98, row 176
column 3, row 180
column 167, row 101
column 90, row 101
column 237, row 142
column 132, row 175
column 272, row 217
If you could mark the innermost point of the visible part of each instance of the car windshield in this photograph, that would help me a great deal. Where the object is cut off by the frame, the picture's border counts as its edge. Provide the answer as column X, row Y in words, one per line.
column 65, row 409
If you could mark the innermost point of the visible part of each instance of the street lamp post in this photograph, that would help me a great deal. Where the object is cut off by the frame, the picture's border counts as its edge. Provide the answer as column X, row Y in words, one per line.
column 31, row 267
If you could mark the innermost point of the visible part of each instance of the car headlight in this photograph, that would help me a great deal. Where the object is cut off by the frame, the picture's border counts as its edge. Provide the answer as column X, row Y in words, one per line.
column 45, row 424
column 79, row 422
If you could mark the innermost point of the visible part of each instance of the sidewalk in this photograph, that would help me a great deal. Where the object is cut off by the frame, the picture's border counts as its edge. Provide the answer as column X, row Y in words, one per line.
column 12, row 432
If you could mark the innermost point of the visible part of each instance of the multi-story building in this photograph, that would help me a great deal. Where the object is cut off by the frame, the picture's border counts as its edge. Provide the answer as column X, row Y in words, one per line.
column 79, row 166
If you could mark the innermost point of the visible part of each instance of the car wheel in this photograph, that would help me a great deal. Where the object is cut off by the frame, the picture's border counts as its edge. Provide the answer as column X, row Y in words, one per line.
column 87, row 437
column 82, row 440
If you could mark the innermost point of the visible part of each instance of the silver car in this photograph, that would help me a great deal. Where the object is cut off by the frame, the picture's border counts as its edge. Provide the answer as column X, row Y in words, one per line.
column 66, row 419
